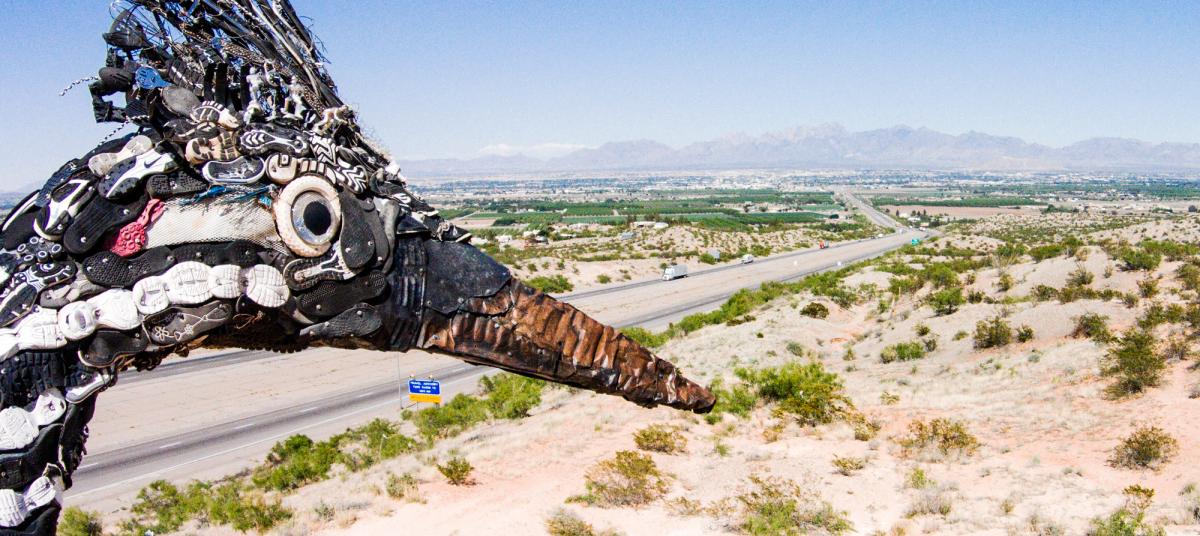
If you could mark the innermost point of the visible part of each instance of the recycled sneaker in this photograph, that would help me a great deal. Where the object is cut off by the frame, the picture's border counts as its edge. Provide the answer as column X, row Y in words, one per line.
column 265, row 286
column 65, row 202
column 77, row 320
column 97, row 218
column 150, row 295
column 79, row 288
column 225, row 281
column 49, row 406
column 303, row 274
column 182, row 130
column 101, row 164
column 240, row 252
column 16, row 428
column 213, row 113
column 8, row 343
column 112, row 270
column 269, row 138
column 178, row 325
column 115, row 309
column 128, row 174
column 332, row 297
column 39, row 331
column 175, row 184
column 38, row 250
column 88, row 383
column 220, row 147
column 187, row 283
column 131, row 237
column 107, row 346
column 19, row 467
column 179, row 100
column 362, row 319
column 21, row 294
column 240, row 170
column 9, row 263
column 15, row 507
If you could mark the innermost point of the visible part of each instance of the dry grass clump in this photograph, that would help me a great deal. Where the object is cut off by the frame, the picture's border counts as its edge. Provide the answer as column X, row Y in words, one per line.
column 1148, row 447
column 565, row 523
column 848, row 465
column 948, row 437
column 627, row 479
column 660, row 438
column 402, row 487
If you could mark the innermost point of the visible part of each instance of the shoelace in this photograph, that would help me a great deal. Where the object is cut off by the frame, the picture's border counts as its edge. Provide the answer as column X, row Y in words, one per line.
column 132, row 237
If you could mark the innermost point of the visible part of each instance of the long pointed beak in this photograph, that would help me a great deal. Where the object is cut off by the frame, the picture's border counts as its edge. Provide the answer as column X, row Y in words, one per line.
column 523, row 330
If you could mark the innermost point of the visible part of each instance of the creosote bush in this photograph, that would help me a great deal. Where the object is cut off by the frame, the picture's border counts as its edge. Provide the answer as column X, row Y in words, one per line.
column 903, row 351
column 1092, row 326
column 815, row 310
column 1148, row 447
column 163, row 507
column 778, row 507
column 1135, row 363
column 627, row 479
column 807, row 393
column 402, row 487
column 550, row 284
column 566, row 523
column 848, row 465
column 992, row 333
column 949, row 437
column 660, row 438
column 78, row 522
column 457, row 471
column 1129, row 520
column 946, row 301
column 737, row 400
column 1024, row 333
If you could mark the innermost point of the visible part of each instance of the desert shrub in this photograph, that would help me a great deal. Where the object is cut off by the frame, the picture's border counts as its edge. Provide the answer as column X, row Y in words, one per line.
column 1158, row 313
column 918, row 479
column 1148, row 447
column 1148, row 288
column 960, row 335
column 1092, row 326
column 550, row 284
column 1134, row 362
column 511, row 396
column 646, row 337
column 1005, row 282
column 296, row 461
column 1024, row 333
column 864, row 429
column 992, row 333
column 1189, row 275
column 163, row 507
column 457, row 471
column 1129, row 520
column 737, row 400
column 848, row 465
column 1044, row 292
column 627, row 479
column 660, row 438
column 565, row 523
column 930, row 343
column 1177, row 349
column 78, row 522
column 1041, row 253
column 922, row 330
column 778, row 507
column 888, row 398
column 1081, row 277
column 930, row 502
column 402, row 487
column 949, row 437
column 815, row 310
column 903, row 351
column 1138, row 259
column 946, row 301
column 707, row 258
column 379, row 439
column 796, row 349
column 604, row 279
column 807, row 393
column 451, row 419
column 976, row 296
column 941, row 276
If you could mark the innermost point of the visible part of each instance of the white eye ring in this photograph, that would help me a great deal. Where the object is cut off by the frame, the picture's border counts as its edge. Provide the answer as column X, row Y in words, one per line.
column 299, row 208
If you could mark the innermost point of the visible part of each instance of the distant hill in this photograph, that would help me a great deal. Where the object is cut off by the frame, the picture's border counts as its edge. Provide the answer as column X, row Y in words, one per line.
column 832, row 146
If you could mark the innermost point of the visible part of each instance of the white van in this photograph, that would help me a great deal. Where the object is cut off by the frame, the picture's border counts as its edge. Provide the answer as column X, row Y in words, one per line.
column 747, row 258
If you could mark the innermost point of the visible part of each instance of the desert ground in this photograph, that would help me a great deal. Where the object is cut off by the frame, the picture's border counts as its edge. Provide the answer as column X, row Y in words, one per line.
column 1029, row 375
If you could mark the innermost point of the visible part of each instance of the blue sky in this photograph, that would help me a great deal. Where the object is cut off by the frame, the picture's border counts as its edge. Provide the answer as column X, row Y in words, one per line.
column 434, row 79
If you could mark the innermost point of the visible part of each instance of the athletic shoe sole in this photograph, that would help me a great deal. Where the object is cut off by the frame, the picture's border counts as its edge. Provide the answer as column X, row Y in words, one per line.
column 332, row 297
column 97, row 218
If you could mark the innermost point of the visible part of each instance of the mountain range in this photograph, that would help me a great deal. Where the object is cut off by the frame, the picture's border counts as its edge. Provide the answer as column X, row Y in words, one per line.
column 832, row 146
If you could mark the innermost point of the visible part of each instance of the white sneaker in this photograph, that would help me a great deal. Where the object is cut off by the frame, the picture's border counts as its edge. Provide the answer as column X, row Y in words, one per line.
column 15, row 507
column 225, row 281
column 16, row 428
column 77, row 320
column 79, row 393
column 8, row 343
column 12, row 508
column 116, row 309
column 49, row 406
column 102, row 163
column 187, row 283
column 39, row 331
column 265, row 286
column 150, row 295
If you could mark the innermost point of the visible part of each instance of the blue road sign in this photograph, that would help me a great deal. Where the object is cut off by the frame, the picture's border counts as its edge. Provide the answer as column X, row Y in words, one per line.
column 425, row 391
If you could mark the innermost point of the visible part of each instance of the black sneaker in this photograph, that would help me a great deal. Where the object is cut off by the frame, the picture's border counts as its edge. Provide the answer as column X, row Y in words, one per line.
column 179, row 101
column 355, row 240
column 181, row 324
column 268, row 138
column 240, row 252
column 65, row 202
column 114, row 271
column 38, row 250
column 29, row 373
column 108, row 346
column 98, row 217
column 128, row 174
column 22, row 290
column 19, row 468
column 357, row 321
column 303, row 274
column 175, row 184
column 183, row 130
column 332, row 297
column 240, row 170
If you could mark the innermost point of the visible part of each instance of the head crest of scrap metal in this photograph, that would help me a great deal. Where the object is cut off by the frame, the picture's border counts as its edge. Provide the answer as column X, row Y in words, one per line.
column 247, row 210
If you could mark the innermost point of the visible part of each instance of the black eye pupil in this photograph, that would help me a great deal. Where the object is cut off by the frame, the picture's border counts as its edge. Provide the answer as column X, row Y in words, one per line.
column 317, row 218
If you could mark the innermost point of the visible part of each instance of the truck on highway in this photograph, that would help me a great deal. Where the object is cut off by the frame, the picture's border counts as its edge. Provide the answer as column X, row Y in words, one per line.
column 674, row 271
column 747, row 258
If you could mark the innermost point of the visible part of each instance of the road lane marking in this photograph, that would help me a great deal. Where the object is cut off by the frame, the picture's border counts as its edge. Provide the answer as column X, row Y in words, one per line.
column 247, row 425
column 169, row 445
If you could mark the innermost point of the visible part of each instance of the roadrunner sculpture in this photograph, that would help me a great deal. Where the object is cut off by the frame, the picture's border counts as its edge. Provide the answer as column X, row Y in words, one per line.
column 246, row 210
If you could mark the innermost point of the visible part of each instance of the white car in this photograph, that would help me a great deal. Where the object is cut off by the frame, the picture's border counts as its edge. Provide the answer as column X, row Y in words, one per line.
column 747, row 258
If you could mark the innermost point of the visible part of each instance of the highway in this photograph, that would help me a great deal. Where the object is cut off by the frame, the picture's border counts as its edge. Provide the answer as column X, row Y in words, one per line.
column 208, row 416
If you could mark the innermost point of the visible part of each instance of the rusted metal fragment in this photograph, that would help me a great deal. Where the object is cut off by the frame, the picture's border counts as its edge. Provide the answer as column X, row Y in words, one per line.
column 539, row 336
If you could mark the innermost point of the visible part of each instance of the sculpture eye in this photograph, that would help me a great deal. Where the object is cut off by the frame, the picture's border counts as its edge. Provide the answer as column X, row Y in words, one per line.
column 308, row 216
